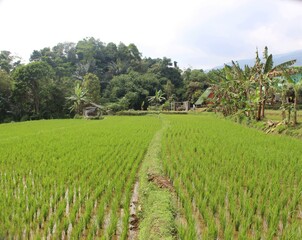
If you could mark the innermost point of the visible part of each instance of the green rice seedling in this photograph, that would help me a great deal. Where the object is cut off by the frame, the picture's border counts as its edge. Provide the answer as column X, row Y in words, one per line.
column 56, row 171
column 112, row 226
column 228, row 233
column 214, row 156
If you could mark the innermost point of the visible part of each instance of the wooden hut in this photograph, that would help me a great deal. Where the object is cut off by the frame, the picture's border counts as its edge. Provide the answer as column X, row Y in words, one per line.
column 92, row 111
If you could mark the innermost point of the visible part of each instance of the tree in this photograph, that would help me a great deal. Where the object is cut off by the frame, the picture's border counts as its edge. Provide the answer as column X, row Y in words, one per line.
column 33, row 77
column 292, row 94
column 133, row 50
column 53, row 102
column 6, row 86
column 111, row 52
column 78, row 99
column 90, row 53
column 139, row 85
column 196, row 76
column 92, row 85
column 8, row 62
column 192, row 89
column 233, row 92
column 157, row 98
column 62, row 58
column 264, row 72
column 169, row 89
column 165, row 70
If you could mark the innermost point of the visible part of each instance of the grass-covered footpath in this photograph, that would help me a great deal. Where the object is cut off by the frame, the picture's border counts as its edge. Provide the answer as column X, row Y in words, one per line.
column 199, row 177
column 156, row 196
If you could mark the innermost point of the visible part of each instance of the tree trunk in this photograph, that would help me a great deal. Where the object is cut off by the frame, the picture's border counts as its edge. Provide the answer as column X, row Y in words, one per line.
column 263, row 108
column 264, row 102
column 283, row 114
column 259, row 111
column 295, row 110
column 260, row 102
column 36, row 101
column 37, row 106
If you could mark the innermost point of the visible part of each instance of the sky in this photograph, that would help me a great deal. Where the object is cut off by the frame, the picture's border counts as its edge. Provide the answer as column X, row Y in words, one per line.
column 197, row 34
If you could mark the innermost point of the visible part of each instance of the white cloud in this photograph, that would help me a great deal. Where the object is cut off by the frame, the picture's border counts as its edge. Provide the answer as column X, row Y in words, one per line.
column 197, row 33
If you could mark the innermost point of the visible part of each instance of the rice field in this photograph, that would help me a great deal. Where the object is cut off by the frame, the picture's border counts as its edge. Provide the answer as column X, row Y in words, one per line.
column 70, row 179
column 74, row 179
column 233, row 182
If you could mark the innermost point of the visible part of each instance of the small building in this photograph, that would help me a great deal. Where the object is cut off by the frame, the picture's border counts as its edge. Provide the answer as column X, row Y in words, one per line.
column 180, row 106
column 92, row 111
column 205, row 98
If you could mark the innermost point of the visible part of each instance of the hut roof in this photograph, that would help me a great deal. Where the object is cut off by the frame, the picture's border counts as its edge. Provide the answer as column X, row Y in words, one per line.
column 203, row 96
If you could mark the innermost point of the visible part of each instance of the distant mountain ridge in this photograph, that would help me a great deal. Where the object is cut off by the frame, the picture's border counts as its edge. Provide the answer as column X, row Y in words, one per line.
column 278, row 58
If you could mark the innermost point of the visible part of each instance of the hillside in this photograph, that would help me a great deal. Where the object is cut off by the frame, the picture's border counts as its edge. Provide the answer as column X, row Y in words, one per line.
column 278, row 58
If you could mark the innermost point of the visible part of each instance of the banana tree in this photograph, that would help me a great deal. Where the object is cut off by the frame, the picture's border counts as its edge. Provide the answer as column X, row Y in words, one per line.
column 295, row 85
column 264, row 74
column 157, row 98
column 231, row 92
column 78, row 99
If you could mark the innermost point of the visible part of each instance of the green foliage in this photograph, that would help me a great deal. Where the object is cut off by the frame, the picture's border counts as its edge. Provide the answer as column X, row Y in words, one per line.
column 113, row 74
column 8, row 62
column 249, row 89
column 78, row 99
column 133, row 88
column 6, row 88
column 92, row 85
column 31, row 80
column 157, row 98
column 196, row 82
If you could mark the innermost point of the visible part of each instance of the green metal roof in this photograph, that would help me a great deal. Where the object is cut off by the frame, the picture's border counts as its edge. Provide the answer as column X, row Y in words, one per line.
column 203, row 96
column 297, row 77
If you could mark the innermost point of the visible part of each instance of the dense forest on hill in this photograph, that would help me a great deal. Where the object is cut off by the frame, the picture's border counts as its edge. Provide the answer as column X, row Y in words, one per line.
column 116, row 76
column 59, row 82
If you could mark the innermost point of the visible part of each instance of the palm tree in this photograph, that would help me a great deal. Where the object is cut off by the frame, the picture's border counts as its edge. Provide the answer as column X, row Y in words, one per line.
column 157, row 98
column 78, row 98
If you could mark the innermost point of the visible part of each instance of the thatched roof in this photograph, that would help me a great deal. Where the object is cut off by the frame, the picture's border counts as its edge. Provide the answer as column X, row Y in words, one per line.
column 92, row 110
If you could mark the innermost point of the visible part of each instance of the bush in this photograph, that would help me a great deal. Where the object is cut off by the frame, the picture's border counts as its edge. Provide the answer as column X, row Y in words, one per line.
column 24, row 118
column 141, row 113
column 166, row 106
column 134, row 113
column 115, row 107
column 78, row 116
column 95, row 118
column 35, row 117
column 154, row 108
column 173, row 112
column 281, row 128
column 8, row 120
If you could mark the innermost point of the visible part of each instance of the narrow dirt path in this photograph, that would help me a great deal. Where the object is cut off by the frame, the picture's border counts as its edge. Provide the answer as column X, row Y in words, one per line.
column 134, row 210
column 153, row 211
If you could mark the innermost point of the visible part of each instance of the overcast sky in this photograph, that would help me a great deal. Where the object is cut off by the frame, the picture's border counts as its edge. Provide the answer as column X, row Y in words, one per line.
column 195, row 33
